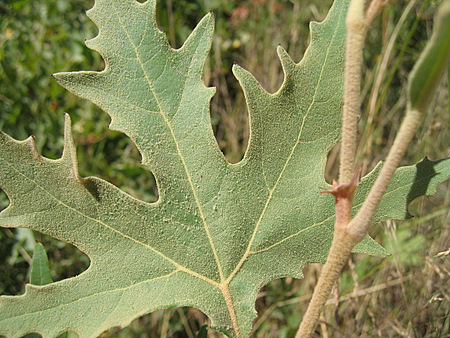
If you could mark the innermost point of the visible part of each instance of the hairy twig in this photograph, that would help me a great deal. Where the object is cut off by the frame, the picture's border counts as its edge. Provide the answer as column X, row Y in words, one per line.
column 356, row 33
column 422, row 83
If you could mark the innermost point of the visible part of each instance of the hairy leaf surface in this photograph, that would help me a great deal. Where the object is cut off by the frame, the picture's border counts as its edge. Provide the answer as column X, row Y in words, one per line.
column 219, row 231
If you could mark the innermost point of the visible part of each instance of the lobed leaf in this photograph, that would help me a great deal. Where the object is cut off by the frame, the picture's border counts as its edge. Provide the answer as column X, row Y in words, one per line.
column 219, row 231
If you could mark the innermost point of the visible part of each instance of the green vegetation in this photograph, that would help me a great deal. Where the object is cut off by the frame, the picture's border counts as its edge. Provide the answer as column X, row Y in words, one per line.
column 389, row 302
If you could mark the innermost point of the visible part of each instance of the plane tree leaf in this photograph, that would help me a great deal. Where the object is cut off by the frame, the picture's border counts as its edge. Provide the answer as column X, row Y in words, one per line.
column 219, row 231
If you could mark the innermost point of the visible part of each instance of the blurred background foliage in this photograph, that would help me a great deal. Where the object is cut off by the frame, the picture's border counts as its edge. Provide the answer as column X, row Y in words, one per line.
column 406, row 294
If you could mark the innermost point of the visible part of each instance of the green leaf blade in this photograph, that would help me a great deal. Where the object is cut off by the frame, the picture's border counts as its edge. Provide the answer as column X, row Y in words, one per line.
column 433, row 61
column 40, row 269
column 407, row 184
column 219, row 231
column 176, row 125
column 89, row 308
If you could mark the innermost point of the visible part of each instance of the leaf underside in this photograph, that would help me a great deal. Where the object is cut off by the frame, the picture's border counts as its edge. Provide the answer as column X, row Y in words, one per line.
column 219, row 231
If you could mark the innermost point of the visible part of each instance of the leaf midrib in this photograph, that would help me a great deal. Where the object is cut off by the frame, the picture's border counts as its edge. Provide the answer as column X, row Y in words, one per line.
column 271, row 191
column 194, row 192
column 177, row 265
column 183, row 161
column 93, row 295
